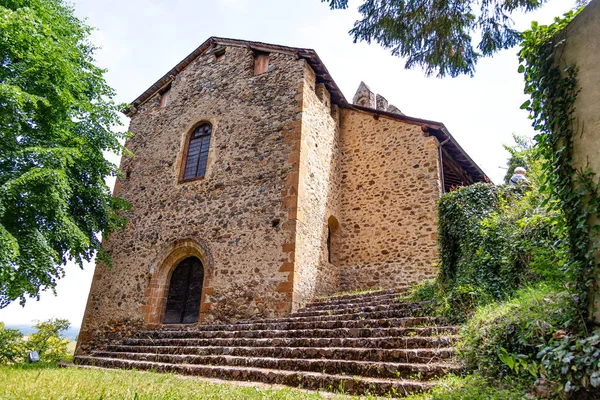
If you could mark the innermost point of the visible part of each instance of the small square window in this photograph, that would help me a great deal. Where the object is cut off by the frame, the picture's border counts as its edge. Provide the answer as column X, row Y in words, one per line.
column 165, row 97
column 261, row 63
column 219, row 53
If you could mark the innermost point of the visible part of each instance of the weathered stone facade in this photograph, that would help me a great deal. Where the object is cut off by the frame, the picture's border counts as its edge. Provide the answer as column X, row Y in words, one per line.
column 304, row 194
column 390, row 188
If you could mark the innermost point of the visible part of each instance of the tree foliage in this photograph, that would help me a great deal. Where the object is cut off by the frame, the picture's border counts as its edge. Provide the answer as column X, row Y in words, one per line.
column 493, row 240
column 56, row 121
column 522, row 154
column 47, row 340
column 12, row 347
column 438, row 35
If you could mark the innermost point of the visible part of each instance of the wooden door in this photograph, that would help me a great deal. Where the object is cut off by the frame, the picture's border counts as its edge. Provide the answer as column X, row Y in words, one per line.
column 185, row 292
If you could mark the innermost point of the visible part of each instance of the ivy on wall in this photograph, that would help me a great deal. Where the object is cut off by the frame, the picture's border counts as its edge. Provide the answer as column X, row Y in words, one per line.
column 493, row 241
column 551, row 84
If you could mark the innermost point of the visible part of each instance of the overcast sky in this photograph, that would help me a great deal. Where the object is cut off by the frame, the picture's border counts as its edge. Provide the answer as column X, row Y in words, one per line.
column 141, row 40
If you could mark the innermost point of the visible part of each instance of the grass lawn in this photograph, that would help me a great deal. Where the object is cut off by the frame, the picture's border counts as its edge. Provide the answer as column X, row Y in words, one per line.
column 47, row 381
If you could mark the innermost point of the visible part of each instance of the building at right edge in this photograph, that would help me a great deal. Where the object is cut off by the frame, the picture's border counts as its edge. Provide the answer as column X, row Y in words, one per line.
column 581, row 49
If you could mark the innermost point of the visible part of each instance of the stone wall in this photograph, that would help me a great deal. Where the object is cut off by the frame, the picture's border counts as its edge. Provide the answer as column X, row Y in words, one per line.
column 582, row 48
column 238, row 219
column 388, row 210
column 318, row 191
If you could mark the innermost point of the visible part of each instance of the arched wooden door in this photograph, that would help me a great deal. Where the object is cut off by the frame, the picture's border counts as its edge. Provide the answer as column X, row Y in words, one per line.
column 185, row 291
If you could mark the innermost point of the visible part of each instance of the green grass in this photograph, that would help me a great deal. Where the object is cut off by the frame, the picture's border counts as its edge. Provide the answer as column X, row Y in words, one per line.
column 473, row 387
column 47, row 381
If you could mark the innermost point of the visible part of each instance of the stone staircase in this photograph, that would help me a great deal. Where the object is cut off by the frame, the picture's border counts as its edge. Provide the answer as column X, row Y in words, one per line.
column 353, row 343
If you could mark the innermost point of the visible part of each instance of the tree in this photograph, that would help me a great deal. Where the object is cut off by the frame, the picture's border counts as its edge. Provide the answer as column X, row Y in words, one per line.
column 12, row 345
column 56, row 120
column 47, row 340
column 521, row 154
column 437, row 34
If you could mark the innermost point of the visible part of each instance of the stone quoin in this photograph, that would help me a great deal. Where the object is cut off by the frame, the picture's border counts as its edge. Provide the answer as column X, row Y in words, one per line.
column 256, row 186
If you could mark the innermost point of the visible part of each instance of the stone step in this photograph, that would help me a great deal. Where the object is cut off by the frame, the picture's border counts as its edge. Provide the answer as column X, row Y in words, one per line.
column 387, row 299
column 331, row 324
column 332, row 367
column 331, row 353
column 306, row 380
column 352, row 309
column 293, row 333
column 369, row 342
column 393, row 313
column 357, row 297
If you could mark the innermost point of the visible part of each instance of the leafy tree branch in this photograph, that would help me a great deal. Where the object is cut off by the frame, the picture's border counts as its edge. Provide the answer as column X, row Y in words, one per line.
column 444, row 37
column 57, row 119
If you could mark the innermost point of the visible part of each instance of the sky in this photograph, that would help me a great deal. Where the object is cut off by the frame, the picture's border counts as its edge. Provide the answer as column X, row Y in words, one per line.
column 140, row 40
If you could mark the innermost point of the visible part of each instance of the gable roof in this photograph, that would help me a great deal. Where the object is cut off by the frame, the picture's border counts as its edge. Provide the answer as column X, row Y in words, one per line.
column 309, row 55
column 322, row 76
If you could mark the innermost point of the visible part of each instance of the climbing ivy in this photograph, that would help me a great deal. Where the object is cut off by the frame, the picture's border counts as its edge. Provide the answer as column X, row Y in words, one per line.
column 493, row 241
column 551, row 83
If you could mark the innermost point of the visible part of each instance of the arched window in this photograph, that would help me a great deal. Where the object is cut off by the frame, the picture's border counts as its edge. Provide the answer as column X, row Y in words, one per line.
column 197, row 152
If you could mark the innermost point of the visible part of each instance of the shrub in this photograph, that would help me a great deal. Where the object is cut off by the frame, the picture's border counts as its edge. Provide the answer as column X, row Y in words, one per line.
column 507, row 269
column 573, row 360
column 12, row 348
column 539, row 333
column 460, row 213
column 513, row 331
column 47, row 340
column 493, row 241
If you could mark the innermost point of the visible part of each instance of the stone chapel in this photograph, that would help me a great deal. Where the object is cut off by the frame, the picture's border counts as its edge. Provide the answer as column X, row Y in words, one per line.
column 255, row 185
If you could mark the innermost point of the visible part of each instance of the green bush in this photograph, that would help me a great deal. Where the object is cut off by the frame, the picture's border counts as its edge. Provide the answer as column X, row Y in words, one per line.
column 12, row 346
column 540, row 333
column 507, row 270
column 493, row 241
column 496, row 236
column 502, row 338
column 47, row 340
column 459, row 215
column 573, row 360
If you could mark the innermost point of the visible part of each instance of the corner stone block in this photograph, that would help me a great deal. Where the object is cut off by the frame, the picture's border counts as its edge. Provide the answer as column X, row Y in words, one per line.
column 290, row 202
column 285, row 287
column 293, row 214
column 292, row 179
column 283, row 307
column 204, row 308
column 287, row 267
column 287, row 247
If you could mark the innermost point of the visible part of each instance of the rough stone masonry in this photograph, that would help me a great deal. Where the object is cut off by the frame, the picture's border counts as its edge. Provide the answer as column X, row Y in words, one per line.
column 299, row 193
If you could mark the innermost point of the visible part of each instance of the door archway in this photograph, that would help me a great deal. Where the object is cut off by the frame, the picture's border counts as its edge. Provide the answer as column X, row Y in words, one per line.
column 185, row 292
